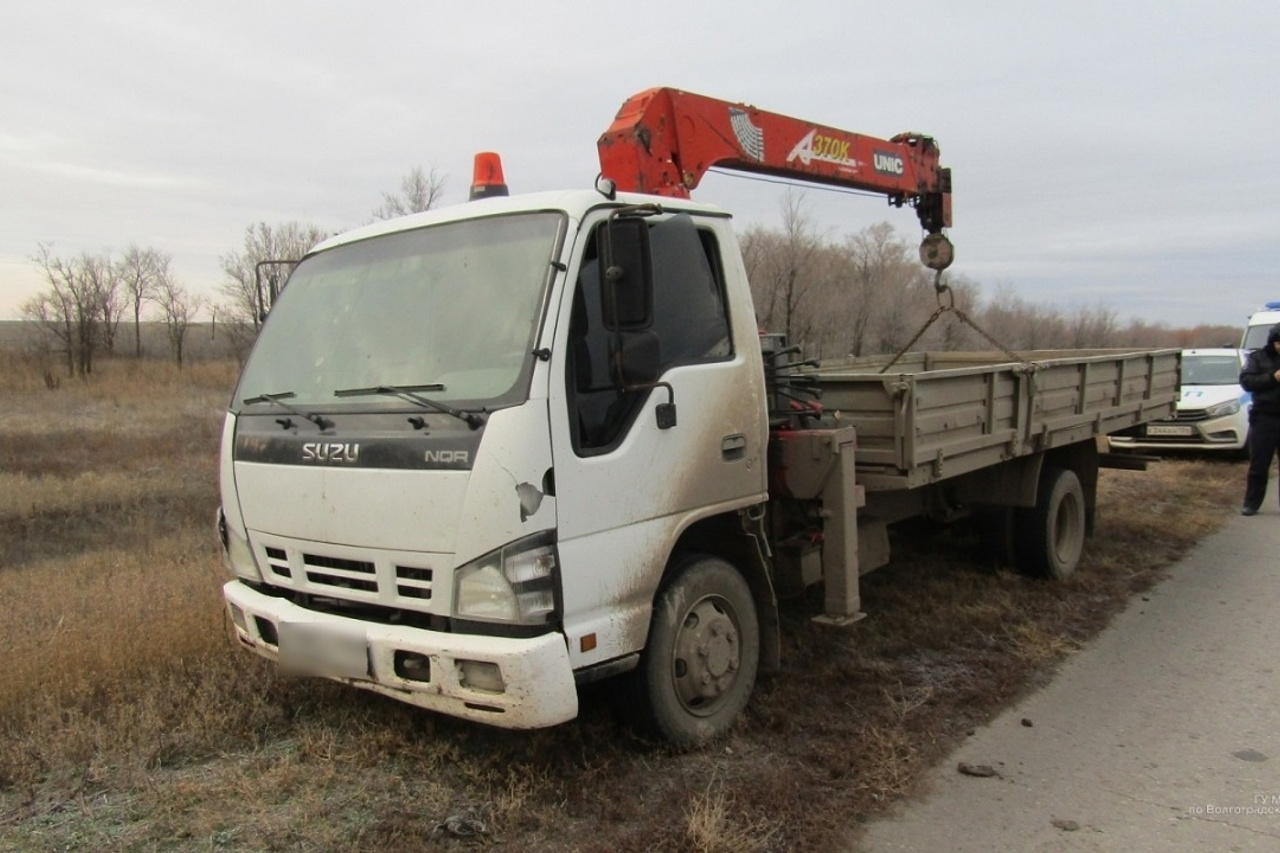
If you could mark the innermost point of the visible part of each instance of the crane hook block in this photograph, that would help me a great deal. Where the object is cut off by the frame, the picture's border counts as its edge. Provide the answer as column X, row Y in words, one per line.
column 937, row 252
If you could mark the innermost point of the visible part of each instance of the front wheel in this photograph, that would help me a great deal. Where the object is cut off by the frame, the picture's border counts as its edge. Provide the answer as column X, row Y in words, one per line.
column 699, row 667
column 1050, row 535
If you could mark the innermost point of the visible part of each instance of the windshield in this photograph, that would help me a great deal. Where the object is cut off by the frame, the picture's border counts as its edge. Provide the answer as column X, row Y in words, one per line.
column 1210, row 370
column 1255, row 337
column 454, row 305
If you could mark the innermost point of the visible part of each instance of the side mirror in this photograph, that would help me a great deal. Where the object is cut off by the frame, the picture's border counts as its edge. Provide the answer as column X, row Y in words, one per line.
column 627, row 275
column 265, row 300
column 637, row 365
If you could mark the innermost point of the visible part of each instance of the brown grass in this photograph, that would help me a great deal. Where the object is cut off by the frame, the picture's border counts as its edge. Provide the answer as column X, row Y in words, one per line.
column 129, row 721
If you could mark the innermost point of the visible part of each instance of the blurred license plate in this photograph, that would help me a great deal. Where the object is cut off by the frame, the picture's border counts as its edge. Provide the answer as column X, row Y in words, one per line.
column 1161, row 429
column 327, row 650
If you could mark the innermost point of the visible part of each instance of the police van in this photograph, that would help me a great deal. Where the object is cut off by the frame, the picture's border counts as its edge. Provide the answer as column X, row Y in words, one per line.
column 1260, row 322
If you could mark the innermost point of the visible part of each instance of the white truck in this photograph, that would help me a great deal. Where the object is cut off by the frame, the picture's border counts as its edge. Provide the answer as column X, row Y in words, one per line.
column 482, row 455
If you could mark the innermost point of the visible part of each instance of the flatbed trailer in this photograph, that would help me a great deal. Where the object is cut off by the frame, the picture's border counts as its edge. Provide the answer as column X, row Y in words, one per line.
column 933, row 416
column 1010, row 445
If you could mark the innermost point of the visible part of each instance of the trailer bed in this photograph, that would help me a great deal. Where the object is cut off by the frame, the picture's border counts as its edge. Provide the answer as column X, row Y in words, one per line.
column 935, row 415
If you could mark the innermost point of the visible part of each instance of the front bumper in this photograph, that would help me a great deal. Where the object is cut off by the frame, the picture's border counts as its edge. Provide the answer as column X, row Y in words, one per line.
column 535, row 689
column 1228, row 433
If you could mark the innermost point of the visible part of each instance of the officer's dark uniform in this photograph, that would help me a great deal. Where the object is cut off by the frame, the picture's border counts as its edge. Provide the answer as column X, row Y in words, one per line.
column 1258, row 378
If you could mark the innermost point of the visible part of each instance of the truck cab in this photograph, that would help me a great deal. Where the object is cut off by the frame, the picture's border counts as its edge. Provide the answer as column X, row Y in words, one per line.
column 470, row 446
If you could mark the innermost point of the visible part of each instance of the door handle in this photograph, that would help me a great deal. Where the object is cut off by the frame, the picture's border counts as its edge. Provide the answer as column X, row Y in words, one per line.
column 733, row 447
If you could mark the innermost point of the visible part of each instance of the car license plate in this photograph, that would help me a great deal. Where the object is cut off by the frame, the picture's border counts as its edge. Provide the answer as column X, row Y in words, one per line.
column 1169, row 430
column 308, row 648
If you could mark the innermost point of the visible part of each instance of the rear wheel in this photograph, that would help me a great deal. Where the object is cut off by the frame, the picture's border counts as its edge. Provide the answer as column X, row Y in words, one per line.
column 1050, row 535
column 699, row 668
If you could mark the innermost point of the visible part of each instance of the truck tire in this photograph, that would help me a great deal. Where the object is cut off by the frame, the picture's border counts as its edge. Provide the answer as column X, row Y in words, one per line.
column 1050, row 535
column 699, row 667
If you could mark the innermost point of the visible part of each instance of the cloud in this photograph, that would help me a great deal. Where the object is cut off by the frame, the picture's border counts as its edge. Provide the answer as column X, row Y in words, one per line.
column 1095, row 146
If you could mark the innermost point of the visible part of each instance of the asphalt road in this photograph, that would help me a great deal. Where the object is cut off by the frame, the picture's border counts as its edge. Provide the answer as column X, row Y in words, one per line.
column 1163, row 734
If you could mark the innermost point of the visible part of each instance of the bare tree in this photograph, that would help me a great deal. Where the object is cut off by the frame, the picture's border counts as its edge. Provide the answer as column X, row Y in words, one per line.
column 79, row 307
column 901, row 317
column 178, row 308
column 245, row 305
column 868, row 294
column 878, row 273
column 822, row 315
column 419, row 191
column 1093, row 327
column 1141, row 333
column 54, row 310
column 140, row 272
column 783, row 269
column 104, row 277
column 760, row 245
column 1024, row 325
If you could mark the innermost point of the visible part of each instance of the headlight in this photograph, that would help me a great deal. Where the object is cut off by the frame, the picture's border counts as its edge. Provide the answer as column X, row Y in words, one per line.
column 1228, row 408
column 515, row 584
column 236, row 554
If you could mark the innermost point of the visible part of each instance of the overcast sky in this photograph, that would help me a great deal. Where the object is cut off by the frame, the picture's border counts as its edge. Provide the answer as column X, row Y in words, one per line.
column 1103, row 153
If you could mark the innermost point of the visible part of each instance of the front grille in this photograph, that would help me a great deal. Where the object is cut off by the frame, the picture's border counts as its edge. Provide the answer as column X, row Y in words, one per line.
column 278, row 561
column 391, row 579
column 413, row 583
column 339, row 573
column 1195, row 438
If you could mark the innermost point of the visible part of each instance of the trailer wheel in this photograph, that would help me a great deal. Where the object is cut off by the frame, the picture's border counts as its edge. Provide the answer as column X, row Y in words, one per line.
column 699, row 668
column 1050, row 535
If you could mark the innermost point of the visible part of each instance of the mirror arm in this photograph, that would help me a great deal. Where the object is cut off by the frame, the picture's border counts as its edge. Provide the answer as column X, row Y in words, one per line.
column 665, row 413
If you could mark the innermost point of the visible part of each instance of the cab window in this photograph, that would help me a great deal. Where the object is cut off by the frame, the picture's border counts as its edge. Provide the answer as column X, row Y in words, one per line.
column 690, row 320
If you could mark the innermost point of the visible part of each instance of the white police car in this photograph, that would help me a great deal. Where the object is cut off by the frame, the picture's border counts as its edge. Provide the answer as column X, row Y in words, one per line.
column 1212, row 411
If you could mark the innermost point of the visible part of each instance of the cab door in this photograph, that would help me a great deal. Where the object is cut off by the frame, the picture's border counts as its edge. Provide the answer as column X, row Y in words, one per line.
column 640, row 457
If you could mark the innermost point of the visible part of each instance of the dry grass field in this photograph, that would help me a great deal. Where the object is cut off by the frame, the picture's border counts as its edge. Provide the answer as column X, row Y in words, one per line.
column 129, row 720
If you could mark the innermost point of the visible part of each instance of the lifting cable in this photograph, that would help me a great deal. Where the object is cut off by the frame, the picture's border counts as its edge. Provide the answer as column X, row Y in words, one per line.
column 939, row 289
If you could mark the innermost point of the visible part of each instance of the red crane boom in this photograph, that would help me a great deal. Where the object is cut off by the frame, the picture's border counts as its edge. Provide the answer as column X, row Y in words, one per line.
column 664, row 140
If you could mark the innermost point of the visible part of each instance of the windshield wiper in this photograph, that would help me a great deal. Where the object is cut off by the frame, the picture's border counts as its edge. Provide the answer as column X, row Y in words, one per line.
column 471, row 419
column 321, row 422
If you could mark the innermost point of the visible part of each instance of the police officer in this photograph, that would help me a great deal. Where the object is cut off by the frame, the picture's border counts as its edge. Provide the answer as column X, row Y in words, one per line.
column 1261, row 378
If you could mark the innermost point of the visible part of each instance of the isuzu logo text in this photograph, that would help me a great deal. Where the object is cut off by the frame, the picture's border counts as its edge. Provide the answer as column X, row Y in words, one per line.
column 331, row 451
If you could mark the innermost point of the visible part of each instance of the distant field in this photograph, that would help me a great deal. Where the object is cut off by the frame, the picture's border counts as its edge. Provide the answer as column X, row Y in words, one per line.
column 129, row 720
column 204, row 340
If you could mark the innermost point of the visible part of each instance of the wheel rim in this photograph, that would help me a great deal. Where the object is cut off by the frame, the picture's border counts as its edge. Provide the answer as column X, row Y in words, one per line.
column 707, row 655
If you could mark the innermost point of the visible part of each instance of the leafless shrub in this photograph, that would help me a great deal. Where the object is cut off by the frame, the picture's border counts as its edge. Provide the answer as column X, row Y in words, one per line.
column 711, row 826
column 419, row 191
